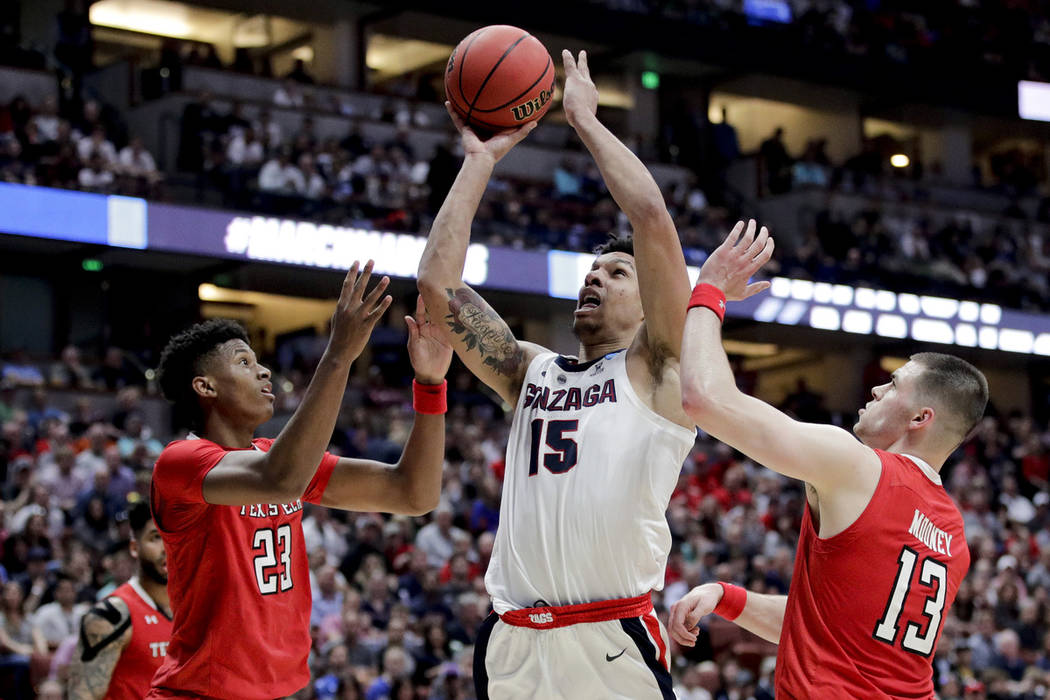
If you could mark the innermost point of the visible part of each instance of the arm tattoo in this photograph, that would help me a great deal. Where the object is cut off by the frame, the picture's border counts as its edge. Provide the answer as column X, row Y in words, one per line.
column 480, row 327
column 104, row 632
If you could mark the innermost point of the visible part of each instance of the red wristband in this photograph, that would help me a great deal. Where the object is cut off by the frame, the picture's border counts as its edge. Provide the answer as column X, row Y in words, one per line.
column 429, row 399
column 734, row 598
column 710, row 297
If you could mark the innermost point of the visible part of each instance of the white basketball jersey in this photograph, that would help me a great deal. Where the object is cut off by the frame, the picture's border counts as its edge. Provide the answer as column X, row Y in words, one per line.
column 590, row 471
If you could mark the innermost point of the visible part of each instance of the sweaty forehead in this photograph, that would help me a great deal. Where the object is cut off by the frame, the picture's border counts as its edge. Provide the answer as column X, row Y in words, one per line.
column 227, row 351
column 613, row 259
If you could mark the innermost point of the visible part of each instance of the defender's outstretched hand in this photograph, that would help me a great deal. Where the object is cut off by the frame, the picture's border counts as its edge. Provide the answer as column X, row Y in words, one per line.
column 741, row 255
column 496, row 146
column 429, row 353
column 581, row 96
column 686, row 613
column 356, row 313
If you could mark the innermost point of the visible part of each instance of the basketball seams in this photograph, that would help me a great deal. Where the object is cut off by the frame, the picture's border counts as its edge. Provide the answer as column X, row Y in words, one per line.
column 547, row 68
column 492, row 71
column 463, row 61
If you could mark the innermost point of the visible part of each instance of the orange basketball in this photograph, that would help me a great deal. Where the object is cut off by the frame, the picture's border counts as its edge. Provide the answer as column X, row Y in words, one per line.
column 500, row 77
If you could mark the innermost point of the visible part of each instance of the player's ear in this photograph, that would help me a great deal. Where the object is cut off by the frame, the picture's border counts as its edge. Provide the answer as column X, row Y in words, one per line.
column 133, row 547
column 922, row 417
column 203, row 386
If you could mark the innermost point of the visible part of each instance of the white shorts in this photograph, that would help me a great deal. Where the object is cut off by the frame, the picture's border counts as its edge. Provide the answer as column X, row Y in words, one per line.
column 596, row 651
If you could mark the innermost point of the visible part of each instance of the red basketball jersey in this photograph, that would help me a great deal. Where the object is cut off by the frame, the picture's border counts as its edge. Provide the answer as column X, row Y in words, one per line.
column 150, row 634
column 238, row 581
column 866, row 606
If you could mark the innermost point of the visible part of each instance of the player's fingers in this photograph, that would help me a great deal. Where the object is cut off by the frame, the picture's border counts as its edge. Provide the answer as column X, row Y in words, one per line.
column 759, row 243
column 754, row 288
column 749, row 235
column 585, row 70
column 421, row 310
column 374, row 315
column 734, row 234
column 372, row 300
column 456, row 119
column 761, row 256
column 351, row 277
column 413, row 328
column 569, row 62
column 361, row 283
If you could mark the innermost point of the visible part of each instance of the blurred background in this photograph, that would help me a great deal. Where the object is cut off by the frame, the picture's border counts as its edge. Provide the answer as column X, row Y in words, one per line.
column 163, row 162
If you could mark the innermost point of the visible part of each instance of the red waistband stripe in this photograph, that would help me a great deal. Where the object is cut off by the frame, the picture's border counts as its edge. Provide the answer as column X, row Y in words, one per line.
column 552, row 617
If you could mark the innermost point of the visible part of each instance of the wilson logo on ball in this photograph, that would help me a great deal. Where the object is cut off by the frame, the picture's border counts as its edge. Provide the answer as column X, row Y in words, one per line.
column 527, row 109
column 451, row 63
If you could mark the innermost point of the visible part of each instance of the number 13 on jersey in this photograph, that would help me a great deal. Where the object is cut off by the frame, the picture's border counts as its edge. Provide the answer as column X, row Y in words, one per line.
column 933, row 576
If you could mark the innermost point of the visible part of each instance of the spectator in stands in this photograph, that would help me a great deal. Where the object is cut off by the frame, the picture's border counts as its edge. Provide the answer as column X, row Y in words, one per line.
column 96, row 144
column 289, row 95
column 279, row 176
column 47, row 120
column 310, row 185
column 268, row 131
column 60, row 619
column 20, row 640
column 299, row 74
column 776, row 162
column 116, row 372
column 96, row 175
column 69, row 372
column 438, row 538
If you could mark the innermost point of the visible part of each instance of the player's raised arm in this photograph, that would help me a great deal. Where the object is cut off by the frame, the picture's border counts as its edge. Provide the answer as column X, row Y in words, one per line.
column 413, row 485
column 104, row 632
column 283, row 473
column 479, row 336
column 759, row 613
column 824, row 456
column 662, row 277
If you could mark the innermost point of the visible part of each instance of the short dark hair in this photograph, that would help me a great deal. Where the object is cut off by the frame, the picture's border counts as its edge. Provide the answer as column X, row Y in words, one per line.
column 617, row 243
column 183, row 359
column 139, row 516
column 956, row 387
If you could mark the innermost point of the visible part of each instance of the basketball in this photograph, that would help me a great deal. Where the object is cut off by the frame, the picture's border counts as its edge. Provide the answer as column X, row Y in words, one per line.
column 500, row 77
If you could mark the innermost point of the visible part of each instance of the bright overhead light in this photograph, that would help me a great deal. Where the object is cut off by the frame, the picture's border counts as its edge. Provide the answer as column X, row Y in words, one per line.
column 146, row 16
column 208, row 292
column 899, row 160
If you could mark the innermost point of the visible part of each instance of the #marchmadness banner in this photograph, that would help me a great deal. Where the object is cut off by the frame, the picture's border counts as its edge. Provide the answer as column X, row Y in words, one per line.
column 130, row 222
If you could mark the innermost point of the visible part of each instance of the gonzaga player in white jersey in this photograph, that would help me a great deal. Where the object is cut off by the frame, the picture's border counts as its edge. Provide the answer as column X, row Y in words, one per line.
column 598, row 440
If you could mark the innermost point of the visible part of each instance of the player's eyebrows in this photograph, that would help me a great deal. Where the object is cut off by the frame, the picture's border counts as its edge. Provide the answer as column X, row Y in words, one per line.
column 614, row 261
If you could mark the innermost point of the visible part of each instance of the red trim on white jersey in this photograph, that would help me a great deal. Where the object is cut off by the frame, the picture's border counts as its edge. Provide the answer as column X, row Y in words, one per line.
column 551, row 617
column 652, row 625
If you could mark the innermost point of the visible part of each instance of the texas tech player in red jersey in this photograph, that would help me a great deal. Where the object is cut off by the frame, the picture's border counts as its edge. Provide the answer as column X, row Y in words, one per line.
column 882, row 548
column 893, row 610
column 229, row 507
column 124, row 638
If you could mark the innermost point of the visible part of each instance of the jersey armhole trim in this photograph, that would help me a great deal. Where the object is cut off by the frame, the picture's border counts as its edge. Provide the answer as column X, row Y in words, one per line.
column 854, row 529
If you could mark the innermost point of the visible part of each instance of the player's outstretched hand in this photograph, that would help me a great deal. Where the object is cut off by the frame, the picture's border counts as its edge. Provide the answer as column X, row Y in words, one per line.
column 429, row 353
column 356, row 312
column 495, row 146
column 742, row 254
column 581, row 96
column 686, row 613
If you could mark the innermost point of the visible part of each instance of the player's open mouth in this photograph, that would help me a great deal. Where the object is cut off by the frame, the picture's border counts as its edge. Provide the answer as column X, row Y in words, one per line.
column 588, row 302
column 267, row 391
